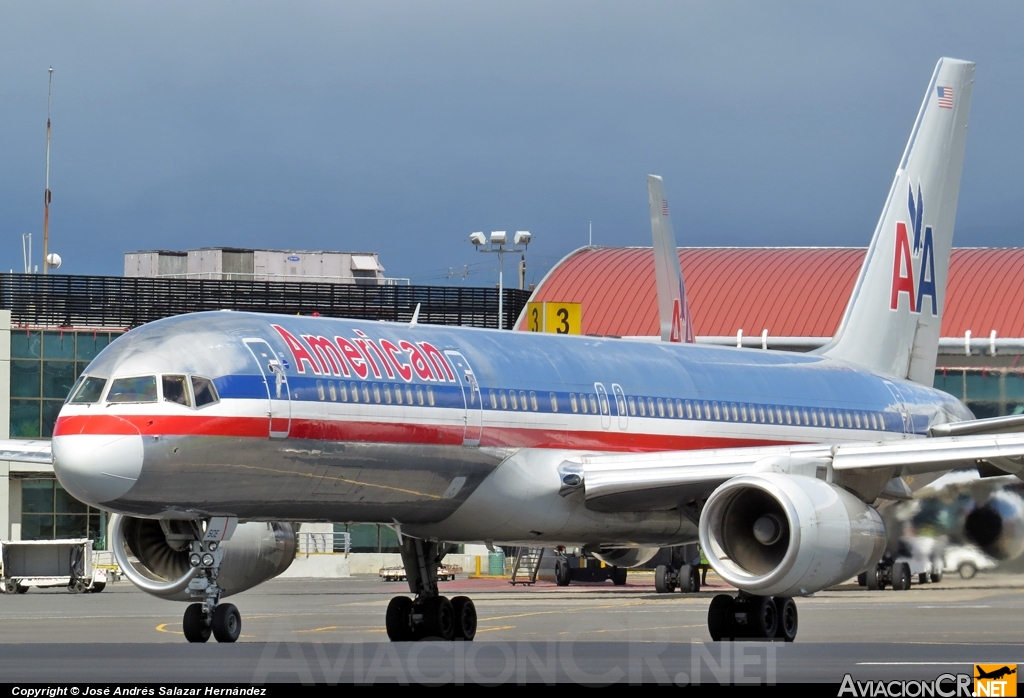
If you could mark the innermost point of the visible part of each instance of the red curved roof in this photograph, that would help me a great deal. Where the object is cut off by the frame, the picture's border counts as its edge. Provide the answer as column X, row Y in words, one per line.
column 791, row 292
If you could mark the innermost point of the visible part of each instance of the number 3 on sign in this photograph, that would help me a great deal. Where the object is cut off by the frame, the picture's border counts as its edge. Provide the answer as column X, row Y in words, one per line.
column 554, row 317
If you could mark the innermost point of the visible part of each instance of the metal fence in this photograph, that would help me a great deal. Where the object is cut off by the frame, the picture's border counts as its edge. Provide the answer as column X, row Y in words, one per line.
column 113, row 301
column 332, row 542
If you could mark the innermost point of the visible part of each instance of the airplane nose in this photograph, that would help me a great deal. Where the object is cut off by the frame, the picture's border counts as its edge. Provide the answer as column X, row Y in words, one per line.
column 97, row 468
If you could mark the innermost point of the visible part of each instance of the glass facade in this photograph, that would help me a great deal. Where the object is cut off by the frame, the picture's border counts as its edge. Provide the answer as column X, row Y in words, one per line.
column 987, row 392
column 48, row 512
column 44, row 366
column 368, row 538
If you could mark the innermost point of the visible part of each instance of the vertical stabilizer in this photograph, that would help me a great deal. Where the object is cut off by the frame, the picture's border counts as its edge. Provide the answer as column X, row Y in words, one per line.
column 892, row 321
column 673, row 309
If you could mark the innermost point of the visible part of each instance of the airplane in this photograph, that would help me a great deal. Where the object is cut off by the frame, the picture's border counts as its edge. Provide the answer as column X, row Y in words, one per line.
column 995, row 673
column 209, row 435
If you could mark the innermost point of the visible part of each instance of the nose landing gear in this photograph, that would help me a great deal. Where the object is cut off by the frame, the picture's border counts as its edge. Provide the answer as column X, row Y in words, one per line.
column 429, row 615
column 208, row 616
column 752, row 617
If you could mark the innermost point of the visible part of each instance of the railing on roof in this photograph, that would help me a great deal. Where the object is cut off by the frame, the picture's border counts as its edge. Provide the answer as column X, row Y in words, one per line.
column 58, row 300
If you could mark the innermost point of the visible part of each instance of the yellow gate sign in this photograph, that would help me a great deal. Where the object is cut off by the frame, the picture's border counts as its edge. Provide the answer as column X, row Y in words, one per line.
column 554, row 317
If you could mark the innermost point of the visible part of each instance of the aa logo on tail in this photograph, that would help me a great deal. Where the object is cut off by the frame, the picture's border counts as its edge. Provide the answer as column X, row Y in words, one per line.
column 919, row 259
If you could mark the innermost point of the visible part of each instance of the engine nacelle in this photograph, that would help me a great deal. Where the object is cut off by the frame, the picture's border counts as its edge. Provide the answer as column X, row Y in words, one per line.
column 625, row 557
column 997, row 526
column 257, row 551
column 772, row 534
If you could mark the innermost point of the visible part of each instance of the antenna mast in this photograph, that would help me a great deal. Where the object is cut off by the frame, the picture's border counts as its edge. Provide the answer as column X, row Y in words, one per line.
column 46, row 196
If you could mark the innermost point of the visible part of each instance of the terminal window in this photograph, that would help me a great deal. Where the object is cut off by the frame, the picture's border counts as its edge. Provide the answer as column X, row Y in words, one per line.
column 44, row 366
column 49, row 512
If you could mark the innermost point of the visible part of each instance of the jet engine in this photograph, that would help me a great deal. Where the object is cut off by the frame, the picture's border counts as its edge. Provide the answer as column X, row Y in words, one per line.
column 257, row 551
column 625, row 557
column 772, row 534
column 997, row 525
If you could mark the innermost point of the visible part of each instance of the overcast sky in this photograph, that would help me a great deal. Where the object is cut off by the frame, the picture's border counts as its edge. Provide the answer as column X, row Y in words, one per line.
column 401, row 127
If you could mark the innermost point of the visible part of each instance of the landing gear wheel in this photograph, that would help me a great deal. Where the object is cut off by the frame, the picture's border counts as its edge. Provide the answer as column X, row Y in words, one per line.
column 619, row 576
column 923, row 578
column 936, row 576
column 438, row 618
column 664, row 580
column 720, row 624
column 689, row 579
column 785, row 610
column 874, row 579
column 194, row 624
column 562, row 573
column 900, row 576
column 862, row 579
column 762, row 620
column 226, row 623
column 397, row 620
column 465, row 618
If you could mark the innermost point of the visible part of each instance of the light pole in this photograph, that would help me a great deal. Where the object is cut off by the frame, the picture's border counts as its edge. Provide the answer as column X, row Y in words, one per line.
column 498, row 242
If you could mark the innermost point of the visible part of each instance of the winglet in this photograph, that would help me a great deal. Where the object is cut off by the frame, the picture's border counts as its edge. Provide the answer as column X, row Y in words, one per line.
column 415, row 316
column 673, row 308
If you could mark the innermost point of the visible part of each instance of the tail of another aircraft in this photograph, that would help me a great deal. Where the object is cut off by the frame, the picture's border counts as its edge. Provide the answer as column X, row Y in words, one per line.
column 673, row 308
column 892, row 321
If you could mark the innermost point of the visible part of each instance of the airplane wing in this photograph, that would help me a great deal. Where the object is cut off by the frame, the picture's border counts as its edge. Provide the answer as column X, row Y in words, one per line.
column 665, row 480
column 22, row 451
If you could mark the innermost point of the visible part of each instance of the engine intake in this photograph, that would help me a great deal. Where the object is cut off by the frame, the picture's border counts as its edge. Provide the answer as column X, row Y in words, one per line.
column 773, row 534
column 258, row 551
column 997, row 526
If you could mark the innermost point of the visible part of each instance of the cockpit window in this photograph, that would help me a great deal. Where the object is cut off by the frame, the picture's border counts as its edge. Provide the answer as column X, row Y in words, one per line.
column 175, row 390
column 89, row 389
column 204, row 391
column 136, row 389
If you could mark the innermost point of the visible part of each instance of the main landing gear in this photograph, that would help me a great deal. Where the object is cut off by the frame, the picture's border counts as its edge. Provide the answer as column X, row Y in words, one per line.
column 207, row 616
column 752, row 617
column 428, row 615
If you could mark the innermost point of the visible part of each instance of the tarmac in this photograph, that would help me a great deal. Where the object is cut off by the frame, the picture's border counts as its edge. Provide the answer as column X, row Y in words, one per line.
column 332, row 631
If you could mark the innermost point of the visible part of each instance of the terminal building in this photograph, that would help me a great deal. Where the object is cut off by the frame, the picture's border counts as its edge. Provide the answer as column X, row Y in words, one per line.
column 52, row 326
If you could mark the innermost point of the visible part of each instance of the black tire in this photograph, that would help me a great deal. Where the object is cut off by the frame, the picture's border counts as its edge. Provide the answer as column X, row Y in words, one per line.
column 762, row 618
column 720, row 622
column 664, row 580
column 900, row 576
column 936, row 576
column 923, row 578
column 619, row 576
column 226, row 623
column 194, row 624
column 788, row 619
column 875, row 580
column 22, row 589
column 562, row 573
column 465, row 618
column 967, row 570
column 397, row 619
column 438, row 618
column 98, row 587
column 689, row 579
column 862, row 579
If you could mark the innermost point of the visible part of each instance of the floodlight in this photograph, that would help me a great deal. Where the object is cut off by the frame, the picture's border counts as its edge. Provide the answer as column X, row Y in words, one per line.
column 498, row 237
column 522, row 237
column 477, row 239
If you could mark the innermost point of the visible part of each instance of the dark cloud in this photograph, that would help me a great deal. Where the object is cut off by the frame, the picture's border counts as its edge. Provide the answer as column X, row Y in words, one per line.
column 402, row 127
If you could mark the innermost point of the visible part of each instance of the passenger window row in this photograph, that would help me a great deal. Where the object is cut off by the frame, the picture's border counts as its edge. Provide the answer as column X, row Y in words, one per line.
column 377, row 393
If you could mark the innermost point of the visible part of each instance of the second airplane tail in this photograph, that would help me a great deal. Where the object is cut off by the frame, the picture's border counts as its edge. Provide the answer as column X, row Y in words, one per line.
column 894, row 315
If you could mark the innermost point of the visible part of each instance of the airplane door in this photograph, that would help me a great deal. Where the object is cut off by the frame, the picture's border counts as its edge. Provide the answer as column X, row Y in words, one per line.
column 603, row 406
column 620, row 406
column 276, row 382
column 471, row 398
column 901, row 404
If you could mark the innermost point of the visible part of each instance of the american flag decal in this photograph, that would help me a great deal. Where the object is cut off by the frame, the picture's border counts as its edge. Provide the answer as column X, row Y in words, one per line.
column 664, row 207
column 945, row 97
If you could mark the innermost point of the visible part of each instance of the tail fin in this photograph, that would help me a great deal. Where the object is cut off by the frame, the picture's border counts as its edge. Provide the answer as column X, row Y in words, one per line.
column 892, row 321
column 673, row 308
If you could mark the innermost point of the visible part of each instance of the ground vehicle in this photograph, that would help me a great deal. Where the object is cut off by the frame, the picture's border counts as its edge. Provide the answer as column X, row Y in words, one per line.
column 967, row 561
column 50, row 563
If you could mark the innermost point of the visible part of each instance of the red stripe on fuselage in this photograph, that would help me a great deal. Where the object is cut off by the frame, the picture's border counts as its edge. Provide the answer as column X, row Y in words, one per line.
column 390, row 432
